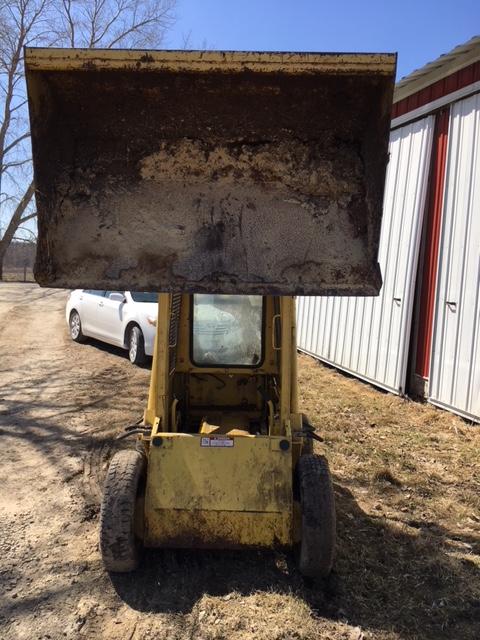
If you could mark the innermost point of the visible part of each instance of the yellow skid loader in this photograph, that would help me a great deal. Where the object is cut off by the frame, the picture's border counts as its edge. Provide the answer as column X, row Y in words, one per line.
column 229, row 182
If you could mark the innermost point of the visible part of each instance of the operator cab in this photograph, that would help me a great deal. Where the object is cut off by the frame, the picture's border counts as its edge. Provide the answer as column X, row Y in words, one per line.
column 226, row 369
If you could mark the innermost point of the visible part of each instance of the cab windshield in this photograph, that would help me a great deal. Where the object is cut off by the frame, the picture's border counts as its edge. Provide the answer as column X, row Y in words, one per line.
column 227, row 330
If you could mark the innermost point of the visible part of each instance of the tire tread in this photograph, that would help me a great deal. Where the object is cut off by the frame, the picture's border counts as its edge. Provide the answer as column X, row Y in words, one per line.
column 118, row 546
column 317, row 548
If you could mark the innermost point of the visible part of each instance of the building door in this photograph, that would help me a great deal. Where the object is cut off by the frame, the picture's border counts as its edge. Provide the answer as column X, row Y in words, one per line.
column 454, row 381
column 369, row 337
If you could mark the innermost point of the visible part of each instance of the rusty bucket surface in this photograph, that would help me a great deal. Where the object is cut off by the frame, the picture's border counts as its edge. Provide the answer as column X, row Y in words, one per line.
column 209, row 171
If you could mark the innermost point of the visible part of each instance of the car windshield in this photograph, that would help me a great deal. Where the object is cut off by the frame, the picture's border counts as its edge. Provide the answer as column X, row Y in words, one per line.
column 227, row 330
column 144, row 296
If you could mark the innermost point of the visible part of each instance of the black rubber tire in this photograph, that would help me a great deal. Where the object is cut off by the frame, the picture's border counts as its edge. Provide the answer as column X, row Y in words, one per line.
column 119, row 547
column 316, row 551
column 136, row 346
column 75, row 327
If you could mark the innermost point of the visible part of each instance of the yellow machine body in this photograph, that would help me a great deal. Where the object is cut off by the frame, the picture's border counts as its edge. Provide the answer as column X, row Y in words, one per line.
column 202, row 492
column 220, row 485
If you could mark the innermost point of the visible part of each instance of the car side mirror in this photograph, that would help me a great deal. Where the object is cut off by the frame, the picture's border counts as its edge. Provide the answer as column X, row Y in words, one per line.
column 116, row 296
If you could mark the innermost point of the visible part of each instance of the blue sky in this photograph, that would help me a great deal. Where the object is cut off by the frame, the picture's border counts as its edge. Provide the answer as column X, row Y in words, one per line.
column 419, row 31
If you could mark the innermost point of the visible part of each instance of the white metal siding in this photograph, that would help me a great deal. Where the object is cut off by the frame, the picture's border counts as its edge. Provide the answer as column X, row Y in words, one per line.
column 369, row 336
column 455, row 364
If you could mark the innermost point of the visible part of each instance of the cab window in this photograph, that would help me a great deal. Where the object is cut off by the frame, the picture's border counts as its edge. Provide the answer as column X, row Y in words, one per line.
column 227, row 330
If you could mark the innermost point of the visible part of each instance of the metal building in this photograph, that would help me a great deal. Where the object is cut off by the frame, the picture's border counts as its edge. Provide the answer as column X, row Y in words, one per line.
column 422, row 334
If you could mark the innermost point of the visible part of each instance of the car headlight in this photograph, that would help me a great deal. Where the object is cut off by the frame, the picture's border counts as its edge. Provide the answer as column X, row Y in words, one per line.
column 152, row 320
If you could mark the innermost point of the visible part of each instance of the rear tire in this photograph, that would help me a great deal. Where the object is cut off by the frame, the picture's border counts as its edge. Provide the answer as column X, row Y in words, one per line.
column 136, row 346
column 119, row 547
column 75, row 326
column 317, row 547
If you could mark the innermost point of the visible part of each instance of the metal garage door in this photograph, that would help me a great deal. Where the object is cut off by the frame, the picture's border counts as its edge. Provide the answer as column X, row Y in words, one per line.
column 455, row 363
column 369, row 337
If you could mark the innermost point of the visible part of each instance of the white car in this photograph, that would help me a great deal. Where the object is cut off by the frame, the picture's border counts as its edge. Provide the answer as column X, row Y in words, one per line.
column 125, row 319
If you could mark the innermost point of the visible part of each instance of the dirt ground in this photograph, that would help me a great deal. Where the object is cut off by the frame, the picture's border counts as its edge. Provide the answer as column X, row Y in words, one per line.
column 407, row 485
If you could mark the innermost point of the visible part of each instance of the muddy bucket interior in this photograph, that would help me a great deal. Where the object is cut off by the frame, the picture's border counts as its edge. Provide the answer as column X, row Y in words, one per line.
column 209, row 171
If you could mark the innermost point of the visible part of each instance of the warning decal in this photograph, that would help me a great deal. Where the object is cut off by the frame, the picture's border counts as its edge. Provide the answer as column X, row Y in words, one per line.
column 216, row 441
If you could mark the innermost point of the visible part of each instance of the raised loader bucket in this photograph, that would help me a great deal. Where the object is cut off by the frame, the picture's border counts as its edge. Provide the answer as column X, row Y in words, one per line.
column 226, row 172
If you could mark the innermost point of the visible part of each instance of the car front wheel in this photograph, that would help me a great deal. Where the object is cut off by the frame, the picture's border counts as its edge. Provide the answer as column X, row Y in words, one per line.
column 136, row 346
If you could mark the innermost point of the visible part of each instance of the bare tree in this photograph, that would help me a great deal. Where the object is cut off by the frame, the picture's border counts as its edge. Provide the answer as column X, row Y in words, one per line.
column 113, row 23
column 20, row 21
column 70, row 23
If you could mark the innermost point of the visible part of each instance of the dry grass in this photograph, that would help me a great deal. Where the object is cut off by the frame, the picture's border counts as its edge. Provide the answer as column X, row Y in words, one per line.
column 407, row 482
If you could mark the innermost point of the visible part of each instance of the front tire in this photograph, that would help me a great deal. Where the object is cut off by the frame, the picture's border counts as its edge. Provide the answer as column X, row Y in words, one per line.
column 75, row 326
column 136, row 346
column 119, row 547
column 317, row 547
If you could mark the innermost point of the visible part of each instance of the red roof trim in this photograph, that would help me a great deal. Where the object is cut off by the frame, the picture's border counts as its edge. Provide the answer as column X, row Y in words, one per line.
column 449, row 84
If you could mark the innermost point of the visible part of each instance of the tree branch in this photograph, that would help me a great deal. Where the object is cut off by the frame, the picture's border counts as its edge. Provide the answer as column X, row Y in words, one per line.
column 132, row 29
column 29, row 217
column 16, row 219
column 67, row 5
column 31, row 240
column 13, row 144
column 4, row 168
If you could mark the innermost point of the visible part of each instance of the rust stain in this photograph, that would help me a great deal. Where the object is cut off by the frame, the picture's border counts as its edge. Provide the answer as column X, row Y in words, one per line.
column 148, row 58
column 197, row 529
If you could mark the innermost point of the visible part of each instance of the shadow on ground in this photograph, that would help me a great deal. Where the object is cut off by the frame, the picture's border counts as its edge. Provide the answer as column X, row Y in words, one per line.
column 386, row 579
column 115, row 351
